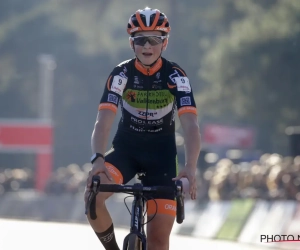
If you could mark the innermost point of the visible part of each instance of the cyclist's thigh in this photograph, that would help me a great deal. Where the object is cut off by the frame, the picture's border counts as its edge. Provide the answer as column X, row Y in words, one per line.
column 160, row 168
column 120, row 164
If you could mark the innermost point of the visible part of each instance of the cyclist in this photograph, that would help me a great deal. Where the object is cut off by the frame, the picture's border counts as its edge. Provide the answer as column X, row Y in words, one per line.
column 149, row 90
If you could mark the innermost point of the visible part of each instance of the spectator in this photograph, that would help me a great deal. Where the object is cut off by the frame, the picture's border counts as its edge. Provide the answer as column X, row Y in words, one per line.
column 272, row 177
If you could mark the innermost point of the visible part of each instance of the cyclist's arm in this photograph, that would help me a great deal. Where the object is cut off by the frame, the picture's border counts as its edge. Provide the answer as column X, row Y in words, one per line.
column 187, row 113
column 191, row 133
column 107, row 109
column 100, row 135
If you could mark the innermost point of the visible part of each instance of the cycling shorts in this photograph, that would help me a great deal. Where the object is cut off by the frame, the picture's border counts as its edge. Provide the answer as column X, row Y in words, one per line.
column 155, row 155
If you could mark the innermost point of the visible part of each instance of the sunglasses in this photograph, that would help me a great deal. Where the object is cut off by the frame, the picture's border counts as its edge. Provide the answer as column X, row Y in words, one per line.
column 153, row 40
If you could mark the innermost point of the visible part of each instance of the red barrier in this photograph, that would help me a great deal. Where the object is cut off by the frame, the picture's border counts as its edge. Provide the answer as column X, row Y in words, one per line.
column 30, row 136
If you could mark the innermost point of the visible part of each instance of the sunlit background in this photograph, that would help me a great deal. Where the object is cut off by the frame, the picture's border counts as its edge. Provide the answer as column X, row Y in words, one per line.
column 243, row 61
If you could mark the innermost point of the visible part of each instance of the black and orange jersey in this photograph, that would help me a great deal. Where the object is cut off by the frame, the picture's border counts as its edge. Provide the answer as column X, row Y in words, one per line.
column 150, row 97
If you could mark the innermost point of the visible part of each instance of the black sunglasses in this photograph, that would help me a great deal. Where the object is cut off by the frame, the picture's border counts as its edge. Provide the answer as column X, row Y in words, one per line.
column 153, row 40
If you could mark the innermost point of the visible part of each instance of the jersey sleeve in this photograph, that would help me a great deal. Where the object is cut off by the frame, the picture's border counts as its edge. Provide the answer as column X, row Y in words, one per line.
column 113, row 90
column 180, row 86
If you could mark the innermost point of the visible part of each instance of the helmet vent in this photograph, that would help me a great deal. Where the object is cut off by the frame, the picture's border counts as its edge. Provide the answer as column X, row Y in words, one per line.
column 143, row 19
column 134, row 21
column 160, row 20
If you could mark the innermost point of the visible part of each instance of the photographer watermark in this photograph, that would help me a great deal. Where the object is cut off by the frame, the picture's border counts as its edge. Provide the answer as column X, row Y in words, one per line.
column 265, row 238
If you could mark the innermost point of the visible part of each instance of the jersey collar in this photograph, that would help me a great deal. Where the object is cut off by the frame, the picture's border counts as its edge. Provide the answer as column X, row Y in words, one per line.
column 140, row 67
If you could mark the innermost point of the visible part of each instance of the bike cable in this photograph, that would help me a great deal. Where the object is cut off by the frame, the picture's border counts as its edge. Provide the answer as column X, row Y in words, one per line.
column 146, row 207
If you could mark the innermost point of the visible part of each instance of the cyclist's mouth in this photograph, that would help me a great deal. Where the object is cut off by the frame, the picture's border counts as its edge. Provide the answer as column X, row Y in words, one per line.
column 147, row 54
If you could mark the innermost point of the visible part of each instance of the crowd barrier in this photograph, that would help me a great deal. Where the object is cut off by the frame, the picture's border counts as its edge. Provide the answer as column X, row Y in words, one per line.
column 244, row 220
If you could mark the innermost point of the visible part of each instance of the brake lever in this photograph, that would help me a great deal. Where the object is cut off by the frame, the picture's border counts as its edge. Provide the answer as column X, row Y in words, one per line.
column 88, row 203
column 179, row 188
column 95, row 183
column 91, row 203
column 180, row 214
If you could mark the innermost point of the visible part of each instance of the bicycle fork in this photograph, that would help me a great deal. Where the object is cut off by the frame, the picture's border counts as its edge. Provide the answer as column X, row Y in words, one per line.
column 137, row 222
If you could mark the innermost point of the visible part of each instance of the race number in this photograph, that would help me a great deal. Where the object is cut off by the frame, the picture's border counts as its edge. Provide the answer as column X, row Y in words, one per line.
column 118, row 84
column 183, row 84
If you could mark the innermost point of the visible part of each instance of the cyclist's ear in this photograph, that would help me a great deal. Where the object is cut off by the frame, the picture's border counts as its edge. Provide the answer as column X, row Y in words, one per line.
column 165, row 44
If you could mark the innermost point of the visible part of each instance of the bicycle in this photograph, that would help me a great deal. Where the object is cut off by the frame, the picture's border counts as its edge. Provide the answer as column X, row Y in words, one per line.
column 136, row 239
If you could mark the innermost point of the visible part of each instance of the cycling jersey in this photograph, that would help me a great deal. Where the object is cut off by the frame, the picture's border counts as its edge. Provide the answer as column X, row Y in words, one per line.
column 148, row 97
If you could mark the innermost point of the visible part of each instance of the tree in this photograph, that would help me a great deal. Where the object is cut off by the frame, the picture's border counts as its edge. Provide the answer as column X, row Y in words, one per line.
column 87, row 40
column 252, row 69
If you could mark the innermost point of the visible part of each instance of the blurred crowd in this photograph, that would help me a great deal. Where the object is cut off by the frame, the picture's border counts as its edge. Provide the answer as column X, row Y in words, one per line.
column 15, row 179
column 271, row 177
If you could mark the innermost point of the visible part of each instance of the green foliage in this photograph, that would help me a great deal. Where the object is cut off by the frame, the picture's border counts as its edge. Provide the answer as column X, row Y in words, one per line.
column 246, row 53
column 251, row 69
column 7, row 72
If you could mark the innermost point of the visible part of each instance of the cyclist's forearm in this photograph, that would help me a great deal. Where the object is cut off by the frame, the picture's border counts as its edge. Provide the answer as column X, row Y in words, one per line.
column 99, row 139
column 192, row 142
column 192, row 145
column 101, row 132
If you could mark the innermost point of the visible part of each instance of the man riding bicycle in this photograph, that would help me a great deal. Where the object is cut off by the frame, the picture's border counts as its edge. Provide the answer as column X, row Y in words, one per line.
column 149, row 90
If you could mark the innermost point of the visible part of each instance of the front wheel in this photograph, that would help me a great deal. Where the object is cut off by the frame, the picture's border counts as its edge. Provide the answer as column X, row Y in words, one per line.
column 134, row 242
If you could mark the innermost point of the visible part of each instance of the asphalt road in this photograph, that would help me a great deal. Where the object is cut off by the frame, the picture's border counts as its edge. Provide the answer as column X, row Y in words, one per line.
column 17, row 234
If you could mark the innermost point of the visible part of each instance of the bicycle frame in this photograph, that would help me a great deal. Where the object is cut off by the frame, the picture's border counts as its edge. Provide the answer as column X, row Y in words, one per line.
column 137, row 219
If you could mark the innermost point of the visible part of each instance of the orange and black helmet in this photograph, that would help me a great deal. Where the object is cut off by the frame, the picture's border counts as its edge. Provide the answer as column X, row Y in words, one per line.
column 146, row 20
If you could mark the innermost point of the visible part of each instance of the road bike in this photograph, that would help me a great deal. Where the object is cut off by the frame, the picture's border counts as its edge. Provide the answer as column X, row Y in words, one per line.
column 136, row 239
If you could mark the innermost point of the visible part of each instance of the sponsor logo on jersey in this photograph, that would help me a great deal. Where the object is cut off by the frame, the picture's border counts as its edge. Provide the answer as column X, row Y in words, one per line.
column 138, row 86
column 143, row 130
column 122, row 74
column 144, row 114
column 112, row 98
column 172, row 76
column 155, row 86
column 155, row 99
column 149, row 122
column 136, row 80
column 131, row 96
column 185, row 101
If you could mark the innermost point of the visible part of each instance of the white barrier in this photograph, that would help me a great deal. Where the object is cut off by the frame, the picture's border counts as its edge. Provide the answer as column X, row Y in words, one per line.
column 211, row 220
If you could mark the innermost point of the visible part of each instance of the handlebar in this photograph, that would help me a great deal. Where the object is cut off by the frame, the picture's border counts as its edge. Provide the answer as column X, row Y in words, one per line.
column 134, row 189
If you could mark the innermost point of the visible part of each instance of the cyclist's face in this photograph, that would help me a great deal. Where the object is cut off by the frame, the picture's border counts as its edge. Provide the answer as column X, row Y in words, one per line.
column 148, row 53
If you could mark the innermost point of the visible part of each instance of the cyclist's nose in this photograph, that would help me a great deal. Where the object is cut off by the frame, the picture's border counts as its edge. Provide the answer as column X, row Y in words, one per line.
column 147, row 45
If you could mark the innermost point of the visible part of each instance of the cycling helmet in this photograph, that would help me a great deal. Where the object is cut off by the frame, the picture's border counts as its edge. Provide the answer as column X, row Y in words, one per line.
column 148, row 19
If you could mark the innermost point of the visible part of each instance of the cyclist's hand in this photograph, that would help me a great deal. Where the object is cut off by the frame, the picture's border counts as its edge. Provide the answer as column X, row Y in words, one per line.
column 190, row 173
column 98, row 167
